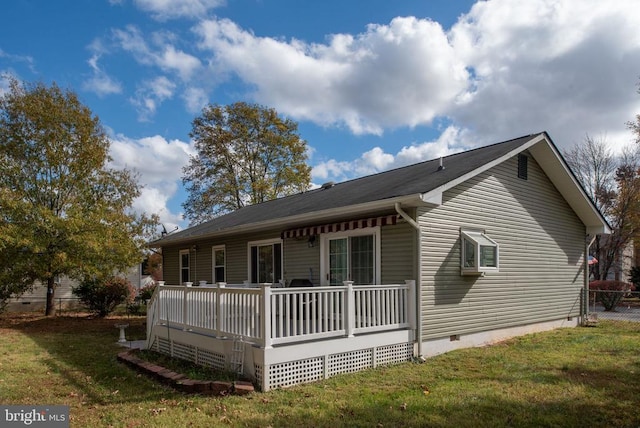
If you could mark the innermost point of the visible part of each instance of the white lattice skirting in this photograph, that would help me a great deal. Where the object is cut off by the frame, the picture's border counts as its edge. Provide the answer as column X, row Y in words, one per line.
column 293, row 372
column 322, row 367
column 190, row 353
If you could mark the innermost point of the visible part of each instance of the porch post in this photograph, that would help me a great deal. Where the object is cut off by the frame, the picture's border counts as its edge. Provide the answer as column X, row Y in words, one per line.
column 349, row 309
column 411, row 303
column 185, row 308
column 265, row 318
column 218, row 318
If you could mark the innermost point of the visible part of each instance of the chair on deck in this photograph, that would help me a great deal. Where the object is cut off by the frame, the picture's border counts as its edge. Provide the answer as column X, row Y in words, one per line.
column 300, row 282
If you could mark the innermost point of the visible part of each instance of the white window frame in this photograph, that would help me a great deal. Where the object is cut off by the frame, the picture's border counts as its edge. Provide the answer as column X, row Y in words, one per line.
column 213, row 263
column 188, row 253
column 260, row 244
column 478, row 239
column 324, row 251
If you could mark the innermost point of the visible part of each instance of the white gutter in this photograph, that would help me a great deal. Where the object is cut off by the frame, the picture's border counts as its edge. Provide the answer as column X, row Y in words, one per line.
column 291, row 221
column 406, row 216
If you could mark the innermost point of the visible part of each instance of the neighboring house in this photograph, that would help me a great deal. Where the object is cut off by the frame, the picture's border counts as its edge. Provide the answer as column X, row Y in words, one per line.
column 36, row 299
column 455, row 252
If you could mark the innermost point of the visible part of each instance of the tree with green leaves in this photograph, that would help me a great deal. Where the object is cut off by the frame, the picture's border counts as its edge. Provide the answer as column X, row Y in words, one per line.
column 246, row 154
column 63, row 210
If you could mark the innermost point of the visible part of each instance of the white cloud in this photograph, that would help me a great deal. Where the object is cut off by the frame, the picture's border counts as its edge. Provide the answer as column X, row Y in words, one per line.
column 4, row 81
column 176, row 60
column 150, row 94
column 195, row 99
column 100, row 82
column 567, row 67
column 18, row 59
column 159, row 164
column 451, row 140
column 154, row 200
column 157, row 160
column 505, row 69
column 132, row 40
column 404, row 73
column 169, row 9
column 160, row 52
column 157, row 51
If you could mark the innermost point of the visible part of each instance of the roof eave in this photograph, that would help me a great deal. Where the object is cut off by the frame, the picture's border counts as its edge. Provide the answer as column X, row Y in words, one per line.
column 288, row 222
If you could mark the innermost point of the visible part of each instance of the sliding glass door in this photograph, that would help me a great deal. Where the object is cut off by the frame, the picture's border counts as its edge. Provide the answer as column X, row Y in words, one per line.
column 351, row 258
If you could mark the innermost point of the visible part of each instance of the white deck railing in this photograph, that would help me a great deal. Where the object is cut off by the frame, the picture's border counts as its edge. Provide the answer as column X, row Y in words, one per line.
column 269, row 316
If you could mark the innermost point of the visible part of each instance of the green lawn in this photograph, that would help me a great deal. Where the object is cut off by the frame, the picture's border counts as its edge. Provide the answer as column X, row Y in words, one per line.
column 566, row 378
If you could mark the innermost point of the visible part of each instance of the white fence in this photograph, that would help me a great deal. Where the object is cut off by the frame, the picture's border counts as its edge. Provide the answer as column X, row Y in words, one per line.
column 269, row 316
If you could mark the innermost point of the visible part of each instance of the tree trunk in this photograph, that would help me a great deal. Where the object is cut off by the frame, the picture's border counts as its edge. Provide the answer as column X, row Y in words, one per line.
column 51, row 289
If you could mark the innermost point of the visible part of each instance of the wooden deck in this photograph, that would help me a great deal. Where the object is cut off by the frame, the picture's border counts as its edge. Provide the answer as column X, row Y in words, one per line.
column 284, row 326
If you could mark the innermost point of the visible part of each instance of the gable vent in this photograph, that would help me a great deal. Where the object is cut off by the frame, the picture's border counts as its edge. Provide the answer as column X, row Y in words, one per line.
column 523, row 161
column 328, row 185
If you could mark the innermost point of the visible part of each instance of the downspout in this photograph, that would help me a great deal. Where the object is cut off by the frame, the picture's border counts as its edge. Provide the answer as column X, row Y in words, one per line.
column 416, row 226
column 586, row 280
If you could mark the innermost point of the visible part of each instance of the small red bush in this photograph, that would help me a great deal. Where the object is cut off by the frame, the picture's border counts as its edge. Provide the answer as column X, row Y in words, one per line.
column 609, row 292
column 610, row 285
column 146, row 292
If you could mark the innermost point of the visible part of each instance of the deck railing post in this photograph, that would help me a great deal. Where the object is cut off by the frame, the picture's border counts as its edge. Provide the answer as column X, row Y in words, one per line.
column 349, row 309
column 218, row 318
column 410, row 303
column 185, row 309
column 265, row 318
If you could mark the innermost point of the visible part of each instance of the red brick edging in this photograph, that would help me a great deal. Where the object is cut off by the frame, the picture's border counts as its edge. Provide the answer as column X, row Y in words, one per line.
column 181, row 382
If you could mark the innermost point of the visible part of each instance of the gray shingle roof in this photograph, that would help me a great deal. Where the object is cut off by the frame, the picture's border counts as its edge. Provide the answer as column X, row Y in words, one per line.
column 409, row 180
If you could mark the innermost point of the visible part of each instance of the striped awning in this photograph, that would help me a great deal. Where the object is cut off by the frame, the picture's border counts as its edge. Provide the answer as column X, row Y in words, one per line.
column 340, row 226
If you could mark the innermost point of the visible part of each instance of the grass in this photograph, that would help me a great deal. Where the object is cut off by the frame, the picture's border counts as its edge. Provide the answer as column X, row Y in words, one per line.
column 569, row 378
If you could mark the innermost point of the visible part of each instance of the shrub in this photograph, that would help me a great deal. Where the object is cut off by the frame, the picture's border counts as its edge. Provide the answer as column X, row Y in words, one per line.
column 103, row 296
column 146, row 292
column 609, row 292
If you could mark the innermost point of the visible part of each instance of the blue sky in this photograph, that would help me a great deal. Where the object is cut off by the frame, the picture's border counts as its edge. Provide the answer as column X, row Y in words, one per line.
column 373, row 84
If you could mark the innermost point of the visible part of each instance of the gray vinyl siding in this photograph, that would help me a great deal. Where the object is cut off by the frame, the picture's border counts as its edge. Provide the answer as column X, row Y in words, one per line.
column 237, row 262
column 201, row 264
column 398, row 249
column 302, row 261
column 171, row 265
column 398, row 253
column 541, row 255
column 236, row 252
